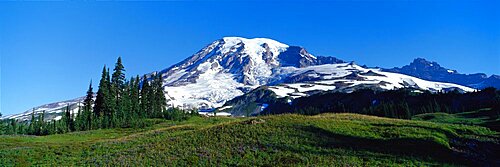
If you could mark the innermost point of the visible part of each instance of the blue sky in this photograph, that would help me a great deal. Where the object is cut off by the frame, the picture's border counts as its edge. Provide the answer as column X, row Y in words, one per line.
column 50, row 51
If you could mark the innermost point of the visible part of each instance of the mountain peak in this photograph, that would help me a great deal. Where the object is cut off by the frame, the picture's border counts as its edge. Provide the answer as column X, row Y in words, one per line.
column 250, row 61
column 231, row 66
column 423, row 63
column 430, row 70
column 255, row 41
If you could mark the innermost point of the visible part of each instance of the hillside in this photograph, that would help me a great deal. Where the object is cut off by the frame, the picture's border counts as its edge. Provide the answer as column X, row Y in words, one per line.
column 326, row 139
column 486, row 117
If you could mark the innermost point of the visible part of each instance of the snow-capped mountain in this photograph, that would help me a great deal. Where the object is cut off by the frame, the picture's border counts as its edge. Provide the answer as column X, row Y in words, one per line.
column 53, row 111
column 342, row 77
column 432, row 71
column 347, row 77
column 232, row 66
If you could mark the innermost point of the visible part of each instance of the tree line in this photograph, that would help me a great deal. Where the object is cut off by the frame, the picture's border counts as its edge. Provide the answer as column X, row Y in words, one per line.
column 401, row 103
column 118, row 103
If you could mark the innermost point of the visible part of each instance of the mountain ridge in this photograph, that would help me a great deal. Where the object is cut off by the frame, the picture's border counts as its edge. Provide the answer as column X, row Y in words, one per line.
column 232, row 66
column 431, row 70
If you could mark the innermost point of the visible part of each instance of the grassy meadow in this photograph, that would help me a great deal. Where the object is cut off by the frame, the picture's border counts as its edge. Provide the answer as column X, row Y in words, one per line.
column 278, row 140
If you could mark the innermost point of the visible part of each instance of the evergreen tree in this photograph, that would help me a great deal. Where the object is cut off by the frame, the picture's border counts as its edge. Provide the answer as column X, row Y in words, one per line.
column 152, row 99
column 72, row 126
column 144, row 98
column 437, row 107
column 161, row 101
column 68, row 120
column 117, row 88
column 22, row 129
column 118, row 78
column 134, row 96
column 13, row 126
column 104, row 105
column 87, row 108
column 39, row 124
column 52, row 127
column 407, row 111
column 102, row 92
column 80, row 120
column 42, row 125
column 194, row 112
column 125, row 107
column 31, row 128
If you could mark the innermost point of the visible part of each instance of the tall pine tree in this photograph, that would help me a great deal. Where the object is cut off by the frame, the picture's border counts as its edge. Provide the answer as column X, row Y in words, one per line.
column 134, row 96
column 102, row 92
column 152, row 99
column 160, row 100
column 117, row 88
column 144, row 95
column 87, row 107
column 31, row 128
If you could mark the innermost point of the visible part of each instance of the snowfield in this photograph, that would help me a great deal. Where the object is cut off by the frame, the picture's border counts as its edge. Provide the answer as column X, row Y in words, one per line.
column 225, row 114
column 348, row 75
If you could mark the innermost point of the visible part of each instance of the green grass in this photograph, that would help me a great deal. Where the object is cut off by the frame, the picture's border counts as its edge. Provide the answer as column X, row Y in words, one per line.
column 280, row 140
column 484, row 117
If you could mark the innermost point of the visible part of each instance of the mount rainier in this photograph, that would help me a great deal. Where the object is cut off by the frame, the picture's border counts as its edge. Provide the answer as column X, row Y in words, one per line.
column 232, row 66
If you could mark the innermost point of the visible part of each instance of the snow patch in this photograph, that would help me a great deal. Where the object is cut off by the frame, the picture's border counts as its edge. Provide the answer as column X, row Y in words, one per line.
column 216, row 114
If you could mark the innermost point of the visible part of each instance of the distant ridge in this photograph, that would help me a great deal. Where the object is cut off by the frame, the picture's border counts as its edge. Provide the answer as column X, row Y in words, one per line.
column 432, row 71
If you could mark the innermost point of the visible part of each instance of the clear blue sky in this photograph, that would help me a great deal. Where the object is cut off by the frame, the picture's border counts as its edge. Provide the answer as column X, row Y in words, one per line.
column 50, row 51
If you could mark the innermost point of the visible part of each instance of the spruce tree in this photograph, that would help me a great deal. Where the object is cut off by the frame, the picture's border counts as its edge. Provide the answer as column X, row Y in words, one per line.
column 144, row 95
column 117, row 88
column 100, row 106
column 134, row 96
column 52, row 129
column 13, row 125
column 87, row 107
column 64, row 121
column 42, row 125
column 152, row 99
column 118, row 83
column 161, row 101
column 79, row 125
column 31, row 128
column 39, row 124
column 125, row 106
column 118, row 78
column 68, row 120
column 110, row 104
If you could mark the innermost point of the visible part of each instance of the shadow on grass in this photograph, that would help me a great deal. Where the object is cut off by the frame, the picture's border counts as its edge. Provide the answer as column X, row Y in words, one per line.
column 489, row 117
column 416, row 148
column 447, row 133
